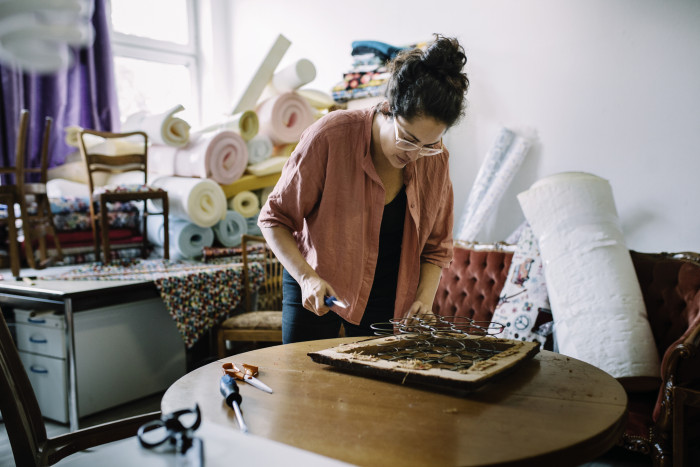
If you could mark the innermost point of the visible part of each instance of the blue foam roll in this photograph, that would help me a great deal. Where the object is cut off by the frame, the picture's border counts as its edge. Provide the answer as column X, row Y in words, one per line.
column 230, row 230
column 186, row 239
column 252, row 222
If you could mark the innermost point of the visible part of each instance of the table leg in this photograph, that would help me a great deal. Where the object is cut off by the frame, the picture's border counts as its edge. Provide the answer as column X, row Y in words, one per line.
column 72, row 371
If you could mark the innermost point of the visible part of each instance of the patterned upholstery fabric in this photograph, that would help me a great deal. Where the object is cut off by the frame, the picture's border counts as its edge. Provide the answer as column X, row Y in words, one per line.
column 124, row 189
column 255, row 320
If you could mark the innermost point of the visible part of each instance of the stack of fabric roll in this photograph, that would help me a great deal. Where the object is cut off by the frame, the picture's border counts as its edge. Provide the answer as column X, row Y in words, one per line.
column 70, row 205
column 193, row 166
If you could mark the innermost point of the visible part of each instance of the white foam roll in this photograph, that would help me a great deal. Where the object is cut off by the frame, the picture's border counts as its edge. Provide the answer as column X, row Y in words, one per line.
column 230, row 230
column 294, row 76
column 198, row 200
column 259, row 149
column 162, row 128
column 597, row 304
column 186, row 239
column 245, row 203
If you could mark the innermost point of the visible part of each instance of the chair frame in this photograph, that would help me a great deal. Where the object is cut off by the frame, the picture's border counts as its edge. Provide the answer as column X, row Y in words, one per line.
column 114, row 164
column 25, row 427
column 269, row 289
column 34, row 226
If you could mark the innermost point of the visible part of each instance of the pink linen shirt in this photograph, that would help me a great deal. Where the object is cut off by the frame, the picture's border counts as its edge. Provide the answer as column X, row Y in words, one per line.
column 332, row 200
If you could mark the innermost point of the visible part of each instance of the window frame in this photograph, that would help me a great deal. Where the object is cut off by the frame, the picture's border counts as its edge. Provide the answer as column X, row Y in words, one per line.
column 171, row 53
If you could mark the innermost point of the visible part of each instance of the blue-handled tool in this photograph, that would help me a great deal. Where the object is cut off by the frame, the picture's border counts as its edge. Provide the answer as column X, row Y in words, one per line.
column 330, row 301
column 229, row 389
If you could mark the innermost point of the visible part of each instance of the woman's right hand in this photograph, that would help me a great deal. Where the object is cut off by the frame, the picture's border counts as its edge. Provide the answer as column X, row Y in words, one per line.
column 314, row 290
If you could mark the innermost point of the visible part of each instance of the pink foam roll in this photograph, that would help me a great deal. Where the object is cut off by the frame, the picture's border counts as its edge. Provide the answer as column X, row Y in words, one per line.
column 284, row 117
column 221, row 156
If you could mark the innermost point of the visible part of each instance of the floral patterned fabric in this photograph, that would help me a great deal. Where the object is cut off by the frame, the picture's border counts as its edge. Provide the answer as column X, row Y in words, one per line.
column 81, row 220
column 71, row 205
column 523, row 306
column 124, row 189
column 198, row 296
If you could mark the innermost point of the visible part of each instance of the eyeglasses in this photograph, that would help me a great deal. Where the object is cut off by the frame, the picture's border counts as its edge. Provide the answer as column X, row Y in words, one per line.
column 406, row 145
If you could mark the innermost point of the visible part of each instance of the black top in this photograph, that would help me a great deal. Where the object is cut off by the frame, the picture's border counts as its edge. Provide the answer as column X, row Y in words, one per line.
column 383, row 293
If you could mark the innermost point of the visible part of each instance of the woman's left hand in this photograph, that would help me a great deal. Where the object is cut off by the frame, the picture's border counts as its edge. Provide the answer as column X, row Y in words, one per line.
column 419, row 310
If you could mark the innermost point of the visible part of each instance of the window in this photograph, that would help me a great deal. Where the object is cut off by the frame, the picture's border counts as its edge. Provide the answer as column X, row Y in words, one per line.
column 156, row 57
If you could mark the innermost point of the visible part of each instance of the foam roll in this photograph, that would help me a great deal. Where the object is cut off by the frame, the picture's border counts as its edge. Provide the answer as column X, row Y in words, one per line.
column 245, row 124
column 187, row 240
column 163, row 128
column 230, row 230
column 259, row 149
column 264, row 193
column 597, row 305
column 283, row 118
column 221, row 156
column 197, row 200
column 253, row 228
column 246, row 203
column 294, row 76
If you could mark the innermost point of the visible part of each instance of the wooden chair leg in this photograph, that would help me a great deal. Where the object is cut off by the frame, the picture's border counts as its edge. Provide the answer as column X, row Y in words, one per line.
column 26, row 228
column 221, row 343
column 104, row 227
column 166, row 229
column 12, row 244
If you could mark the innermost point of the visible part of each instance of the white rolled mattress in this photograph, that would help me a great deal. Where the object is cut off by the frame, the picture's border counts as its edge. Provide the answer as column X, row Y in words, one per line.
column 597, row 304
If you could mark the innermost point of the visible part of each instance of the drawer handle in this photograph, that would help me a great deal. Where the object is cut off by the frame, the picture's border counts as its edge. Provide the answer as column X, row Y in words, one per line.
column 36, row 321
column 37, row 340
column 39, row 370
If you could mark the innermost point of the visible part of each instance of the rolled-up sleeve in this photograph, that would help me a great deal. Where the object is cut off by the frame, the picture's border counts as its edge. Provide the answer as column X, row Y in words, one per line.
column 300, row 186
column 438, row 248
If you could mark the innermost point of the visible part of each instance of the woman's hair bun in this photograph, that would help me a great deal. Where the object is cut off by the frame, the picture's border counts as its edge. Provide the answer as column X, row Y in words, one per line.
column 445, row 56
column 429, row 82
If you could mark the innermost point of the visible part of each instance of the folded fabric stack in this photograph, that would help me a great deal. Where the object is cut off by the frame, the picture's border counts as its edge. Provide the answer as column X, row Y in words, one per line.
column 74, row 229
column 368, row 74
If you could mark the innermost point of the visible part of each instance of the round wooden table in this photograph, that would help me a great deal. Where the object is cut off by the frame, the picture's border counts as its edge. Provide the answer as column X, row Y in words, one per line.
column 552, row 410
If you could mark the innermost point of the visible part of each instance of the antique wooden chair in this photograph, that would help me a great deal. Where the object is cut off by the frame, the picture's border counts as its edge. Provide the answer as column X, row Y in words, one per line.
column 33, row 201
column 261, row 320
column 8, row 199
column 25, row 427
column 117, row 153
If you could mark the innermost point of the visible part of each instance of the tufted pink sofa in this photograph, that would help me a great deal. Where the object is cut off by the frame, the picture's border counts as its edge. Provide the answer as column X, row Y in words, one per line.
column 664, row 421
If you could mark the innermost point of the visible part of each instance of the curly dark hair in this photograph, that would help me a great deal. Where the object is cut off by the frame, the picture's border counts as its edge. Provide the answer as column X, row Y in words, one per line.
column 430, row 82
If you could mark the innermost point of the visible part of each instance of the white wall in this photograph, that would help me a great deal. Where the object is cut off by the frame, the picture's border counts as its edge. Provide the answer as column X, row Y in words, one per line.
column 610, row 87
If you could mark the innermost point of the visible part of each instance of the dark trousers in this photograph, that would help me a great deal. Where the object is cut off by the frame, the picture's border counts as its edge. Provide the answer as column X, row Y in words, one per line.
column 300, row 324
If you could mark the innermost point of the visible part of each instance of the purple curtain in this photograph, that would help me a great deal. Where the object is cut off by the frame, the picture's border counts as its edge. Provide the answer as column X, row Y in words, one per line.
column 84, row 95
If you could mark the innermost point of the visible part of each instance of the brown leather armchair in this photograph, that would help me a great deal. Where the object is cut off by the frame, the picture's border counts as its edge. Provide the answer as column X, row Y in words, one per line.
column 662, row 423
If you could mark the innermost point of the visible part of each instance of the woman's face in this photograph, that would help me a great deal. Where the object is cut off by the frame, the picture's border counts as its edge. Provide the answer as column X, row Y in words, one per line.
column 423, row 133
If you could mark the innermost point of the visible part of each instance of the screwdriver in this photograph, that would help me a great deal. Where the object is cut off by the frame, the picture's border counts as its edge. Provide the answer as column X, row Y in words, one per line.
column 229, row 389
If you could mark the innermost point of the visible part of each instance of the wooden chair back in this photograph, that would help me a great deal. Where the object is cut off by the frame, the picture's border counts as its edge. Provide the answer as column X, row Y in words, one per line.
column 114, row 153
column 117, row 153
column 268, row 296
column 25, row 425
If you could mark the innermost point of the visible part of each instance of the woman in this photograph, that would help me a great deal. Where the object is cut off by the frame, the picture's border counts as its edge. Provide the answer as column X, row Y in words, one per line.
column 363, row 209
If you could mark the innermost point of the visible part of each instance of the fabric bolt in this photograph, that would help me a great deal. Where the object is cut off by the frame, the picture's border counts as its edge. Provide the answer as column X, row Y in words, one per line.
column 523, row 307
column 333, row 153
column 71, row 205
column 198, row 297
column 81, row 220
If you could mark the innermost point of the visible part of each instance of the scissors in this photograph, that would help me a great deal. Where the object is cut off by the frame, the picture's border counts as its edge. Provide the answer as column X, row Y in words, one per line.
column 248, row 374
column 177, row 428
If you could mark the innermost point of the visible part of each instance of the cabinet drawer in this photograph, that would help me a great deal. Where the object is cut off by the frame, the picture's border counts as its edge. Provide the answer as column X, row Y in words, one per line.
column 48, row 377
column 41, row 340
